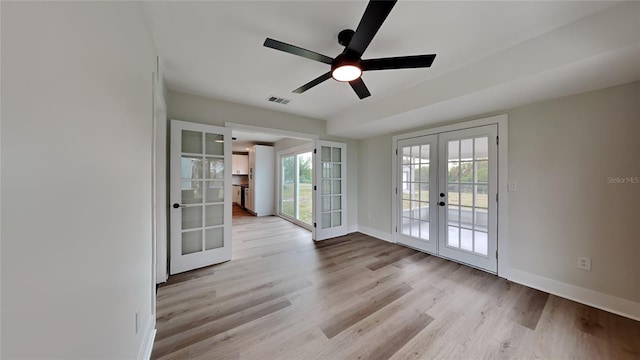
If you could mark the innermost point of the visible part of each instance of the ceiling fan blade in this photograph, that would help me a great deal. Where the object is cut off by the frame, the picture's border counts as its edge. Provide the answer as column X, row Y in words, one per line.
column 312, row 83
column 360, row 88
column 373, row 17
column 291, row 49
column 400, row 62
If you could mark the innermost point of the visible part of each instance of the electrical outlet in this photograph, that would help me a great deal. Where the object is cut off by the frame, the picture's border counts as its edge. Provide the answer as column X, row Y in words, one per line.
column 584, row 263
column 513, row 186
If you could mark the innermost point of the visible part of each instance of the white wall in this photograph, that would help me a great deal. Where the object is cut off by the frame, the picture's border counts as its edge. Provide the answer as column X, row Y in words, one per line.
column 76, row 180
column 199, row 109
column 561, row 153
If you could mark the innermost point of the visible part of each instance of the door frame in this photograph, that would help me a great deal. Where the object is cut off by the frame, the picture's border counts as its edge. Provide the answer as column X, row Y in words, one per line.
column 503, row 196
column 160, row 174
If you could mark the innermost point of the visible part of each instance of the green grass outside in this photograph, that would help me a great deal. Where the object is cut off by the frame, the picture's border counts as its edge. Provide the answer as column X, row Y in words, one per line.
column 305, row 195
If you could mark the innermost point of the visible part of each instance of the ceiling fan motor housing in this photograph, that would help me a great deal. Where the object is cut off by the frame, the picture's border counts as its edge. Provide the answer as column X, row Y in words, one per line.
column 344, row 37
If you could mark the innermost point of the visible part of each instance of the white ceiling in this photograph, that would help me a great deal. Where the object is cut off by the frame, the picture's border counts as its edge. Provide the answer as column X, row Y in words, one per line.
column 214, row 49
column 244, row 140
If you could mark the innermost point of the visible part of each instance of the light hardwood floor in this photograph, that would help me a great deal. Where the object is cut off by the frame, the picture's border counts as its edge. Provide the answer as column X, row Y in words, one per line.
column 355, row 297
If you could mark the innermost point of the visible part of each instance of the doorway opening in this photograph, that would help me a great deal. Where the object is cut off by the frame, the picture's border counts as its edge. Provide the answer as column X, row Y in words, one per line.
column 272, row 174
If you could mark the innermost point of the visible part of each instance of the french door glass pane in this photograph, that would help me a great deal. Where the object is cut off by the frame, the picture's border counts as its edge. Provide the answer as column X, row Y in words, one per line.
column 336, row 155
column 191, row 142
column 336, row 203
column 214, row 191
column 326, row 220
column 191, row 242
column 191, row 217
column 214, row 238
column 191, row 167
column 214, row 168
column 214, row 144
column 214, row 215
column 191, row 191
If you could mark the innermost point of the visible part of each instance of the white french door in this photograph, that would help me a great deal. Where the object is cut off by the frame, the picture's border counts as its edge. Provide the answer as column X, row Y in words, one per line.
column 200, row 192
column 447, row 195
column 330, row 188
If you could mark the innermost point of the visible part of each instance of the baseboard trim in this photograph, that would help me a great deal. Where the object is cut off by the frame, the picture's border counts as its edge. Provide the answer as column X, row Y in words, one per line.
column 376, row 234
column 602, row 301
column 147, row 342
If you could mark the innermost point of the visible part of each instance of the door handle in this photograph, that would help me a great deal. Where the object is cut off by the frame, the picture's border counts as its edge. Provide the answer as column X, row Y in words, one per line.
column 441, row 203
column 176, row 205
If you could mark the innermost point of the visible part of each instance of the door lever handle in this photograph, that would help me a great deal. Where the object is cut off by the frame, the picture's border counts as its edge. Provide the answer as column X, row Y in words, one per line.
column 441, row 203
column 176, row 205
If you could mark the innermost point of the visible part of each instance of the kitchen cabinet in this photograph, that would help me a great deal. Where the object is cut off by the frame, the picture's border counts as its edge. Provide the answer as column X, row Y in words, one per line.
column 237, row 198
column 261, row 180
column 239, row 164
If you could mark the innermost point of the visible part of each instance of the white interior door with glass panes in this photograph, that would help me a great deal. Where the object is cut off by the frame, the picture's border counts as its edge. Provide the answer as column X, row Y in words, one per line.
column 330, row 164
column 200, row 192
column 446, row 195
column 417, row 179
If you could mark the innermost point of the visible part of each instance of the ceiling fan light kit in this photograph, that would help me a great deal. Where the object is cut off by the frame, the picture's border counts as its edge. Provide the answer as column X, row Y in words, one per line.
column 344, row 68
column 349, row 65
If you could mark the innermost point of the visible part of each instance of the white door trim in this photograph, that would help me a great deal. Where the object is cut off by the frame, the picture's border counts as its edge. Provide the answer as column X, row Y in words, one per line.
column 503, row 174
column 160, row 169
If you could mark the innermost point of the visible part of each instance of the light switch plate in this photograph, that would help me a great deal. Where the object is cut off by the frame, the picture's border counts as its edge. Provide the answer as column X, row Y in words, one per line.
column 513, row 186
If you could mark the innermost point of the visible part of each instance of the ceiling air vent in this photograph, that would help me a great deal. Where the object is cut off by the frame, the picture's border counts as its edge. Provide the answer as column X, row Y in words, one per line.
column 278, row 100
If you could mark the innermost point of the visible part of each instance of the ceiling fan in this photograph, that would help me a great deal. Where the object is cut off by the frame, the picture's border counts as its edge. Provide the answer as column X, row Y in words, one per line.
column 349, row 65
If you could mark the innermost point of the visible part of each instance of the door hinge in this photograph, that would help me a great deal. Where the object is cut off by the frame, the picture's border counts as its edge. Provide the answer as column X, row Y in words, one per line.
column 314, row 225
column 315, row 188
column 396, row 229
column 396, row 191
column 496, row 197
column 315, row 151
column 396, row 151
column 496, row 254
column 497, row 140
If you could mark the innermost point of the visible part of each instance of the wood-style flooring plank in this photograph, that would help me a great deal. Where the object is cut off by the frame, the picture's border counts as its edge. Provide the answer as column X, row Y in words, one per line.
column 338, row 323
